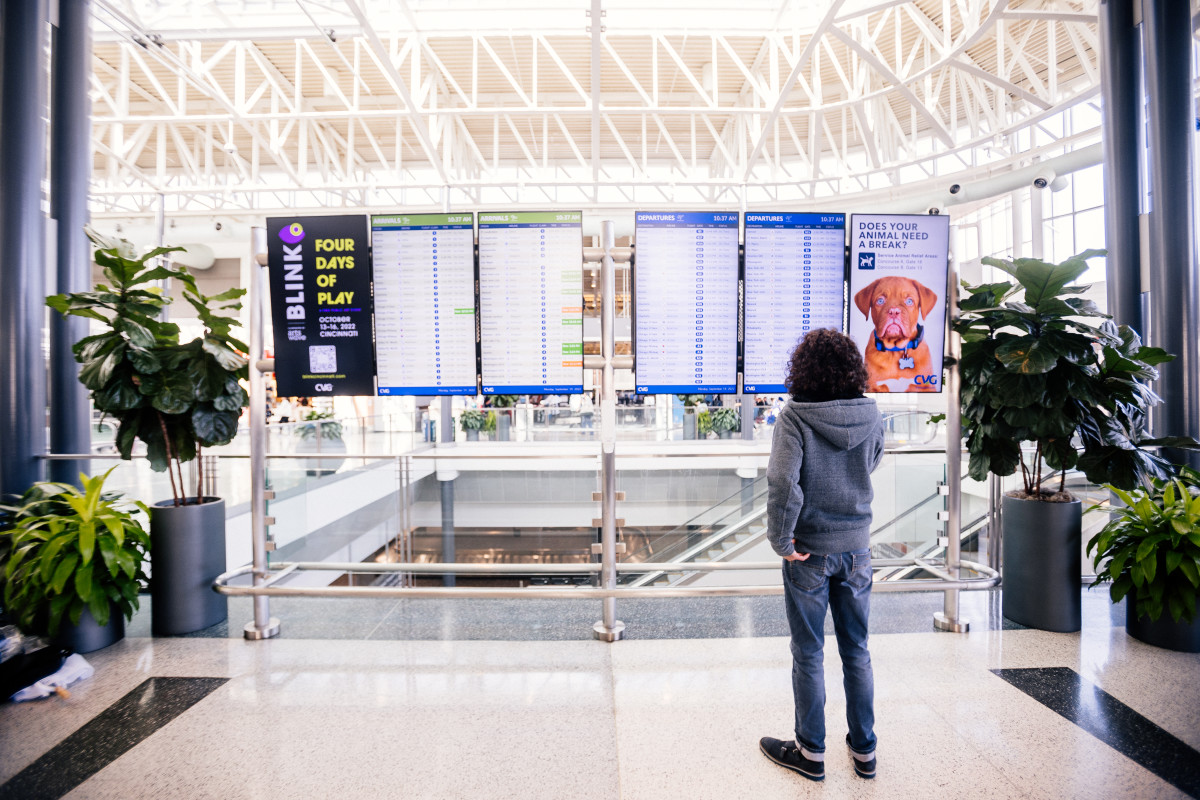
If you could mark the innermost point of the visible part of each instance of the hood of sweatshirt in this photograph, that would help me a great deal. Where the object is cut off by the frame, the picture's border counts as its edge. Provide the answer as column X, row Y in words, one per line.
column 845, row 424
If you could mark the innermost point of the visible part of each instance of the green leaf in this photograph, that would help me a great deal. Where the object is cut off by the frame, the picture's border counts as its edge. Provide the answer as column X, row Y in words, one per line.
column 127, row 562
column 58, row 605
column 101, row 607
column 144, row 360
column 87, row 540
column 214, row 427
column 1043, row 280
column 1174, row 559
column 1027, row 356
column 175, row 396
column 83, row 582
column 108, row 551
column 226, row 357
column 65, row 568
column 1190, row 570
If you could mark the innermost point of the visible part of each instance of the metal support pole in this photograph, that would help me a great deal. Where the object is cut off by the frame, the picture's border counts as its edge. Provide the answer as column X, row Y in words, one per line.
column 70, row 172
column 263, row 626
column 1174, row 283
column 609, row 628
column 948, row 619
column 448, row 555
column 1120, row 65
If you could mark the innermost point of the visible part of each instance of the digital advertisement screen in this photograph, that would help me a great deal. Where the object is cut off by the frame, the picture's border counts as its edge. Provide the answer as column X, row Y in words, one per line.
column 531, row 302
column 899, row 268
column 686, row 302
column 320, row 275
column 794, row 282
column 424, row 268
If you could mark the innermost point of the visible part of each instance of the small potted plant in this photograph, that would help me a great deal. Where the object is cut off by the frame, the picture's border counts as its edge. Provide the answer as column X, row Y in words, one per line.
column 76, row 563
column 175, row 397
column 1034, row 369
column 704, row 423
column 725, row 421
column 504, row 419
column 321, row 433
column 690, row 401
column 1150, row 553
column 473, row 421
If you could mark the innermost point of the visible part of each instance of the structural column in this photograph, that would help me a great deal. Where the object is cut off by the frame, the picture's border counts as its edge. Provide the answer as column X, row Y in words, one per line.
column 70, row 174
column 1174, row 290
column 448, row 554
column 1120, row 69
column 23, row 233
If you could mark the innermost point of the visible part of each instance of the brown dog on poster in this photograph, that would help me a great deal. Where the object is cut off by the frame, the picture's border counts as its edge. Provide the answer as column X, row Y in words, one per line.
column 897, row 354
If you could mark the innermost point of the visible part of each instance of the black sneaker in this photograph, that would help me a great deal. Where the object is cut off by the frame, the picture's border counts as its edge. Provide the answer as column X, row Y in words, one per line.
column 864, row 769
column 786, row 754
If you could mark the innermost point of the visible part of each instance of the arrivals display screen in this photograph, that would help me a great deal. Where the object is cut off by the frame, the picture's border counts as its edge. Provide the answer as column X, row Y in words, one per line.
column 320, row 273
column 424, row 303
column 794, row 283
column 899, row 266
column 686, row 302
column 531, row 302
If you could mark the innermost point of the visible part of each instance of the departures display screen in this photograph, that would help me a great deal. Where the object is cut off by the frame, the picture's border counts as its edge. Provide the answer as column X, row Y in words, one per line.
column 686, row 302
column 531, row 302
column 794, row 283
column 424, row 303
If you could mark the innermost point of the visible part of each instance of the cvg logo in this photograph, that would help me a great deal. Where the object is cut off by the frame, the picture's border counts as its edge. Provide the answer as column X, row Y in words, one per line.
column 926, row 380
column 323, row 387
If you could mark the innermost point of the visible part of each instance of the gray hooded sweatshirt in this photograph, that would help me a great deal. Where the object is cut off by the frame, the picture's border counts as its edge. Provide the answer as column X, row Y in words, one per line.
column 819, row 476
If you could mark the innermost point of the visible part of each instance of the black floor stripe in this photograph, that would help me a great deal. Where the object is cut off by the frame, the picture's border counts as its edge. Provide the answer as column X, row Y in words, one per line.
column 108, row 736
column 1108, row 719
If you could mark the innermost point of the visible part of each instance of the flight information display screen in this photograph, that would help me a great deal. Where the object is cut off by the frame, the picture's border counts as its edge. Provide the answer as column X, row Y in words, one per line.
column 531, row 302
column 794, row 283
column 424, row 303
column 686, row 302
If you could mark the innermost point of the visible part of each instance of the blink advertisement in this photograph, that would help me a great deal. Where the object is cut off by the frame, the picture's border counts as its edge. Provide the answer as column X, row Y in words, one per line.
column 898, row 275
column 320, row 272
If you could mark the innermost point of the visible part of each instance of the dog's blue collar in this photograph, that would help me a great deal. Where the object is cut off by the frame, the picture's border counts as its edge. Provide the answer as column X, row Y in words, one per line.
column 913, row 344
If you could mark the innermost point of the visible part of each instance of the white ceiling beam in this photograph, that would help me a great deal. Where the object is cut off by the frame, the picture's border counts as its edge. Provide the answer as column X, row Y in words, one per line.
column 824, row 25
column 412, row 113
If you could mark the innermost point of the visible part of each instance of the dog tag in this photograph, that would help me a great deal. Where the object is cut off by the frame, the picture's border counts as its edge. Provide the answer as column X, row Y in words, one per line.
column 906, row 363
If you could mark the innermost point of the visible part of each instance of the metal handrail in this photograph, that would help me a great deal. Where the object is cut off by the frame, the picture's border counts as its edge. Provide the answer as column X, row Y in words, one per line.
column 990, row 579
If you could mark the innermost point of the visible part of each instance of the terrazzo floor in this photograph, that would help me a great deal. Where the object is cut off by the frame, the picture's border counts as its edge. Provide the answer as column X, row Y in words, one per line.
column 464, row 716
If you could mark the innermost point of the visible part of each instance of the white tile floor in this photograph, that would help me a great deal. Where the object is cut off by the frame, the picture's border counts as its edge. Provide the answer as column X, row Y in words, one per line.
column 582, row 719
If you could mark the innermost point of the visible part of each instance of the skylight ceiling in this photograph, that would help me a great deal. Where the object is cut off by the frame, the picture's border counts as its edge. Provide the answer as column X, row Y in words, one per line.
column 259, row 105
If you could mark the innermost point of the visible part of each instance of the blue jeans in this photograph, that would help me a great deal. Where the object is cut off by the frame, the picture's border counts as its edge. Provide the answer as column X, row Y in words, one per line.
column 842, row 583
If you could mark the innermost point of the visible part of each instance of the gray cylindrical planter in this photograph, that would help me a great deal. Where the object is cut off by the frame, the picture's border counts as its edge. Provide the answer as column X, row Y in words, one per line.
column 1165, row 632
column 1041, row 564
column 89, row 635
column 689, row 424
column 724, row 434
column 187, row 553
column 503, row 425
column 472, row 436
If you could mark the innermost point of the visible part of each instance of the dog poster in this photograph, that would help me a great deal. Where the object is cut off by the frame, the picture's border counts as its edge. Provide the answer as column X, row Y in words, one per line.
column 899, row 267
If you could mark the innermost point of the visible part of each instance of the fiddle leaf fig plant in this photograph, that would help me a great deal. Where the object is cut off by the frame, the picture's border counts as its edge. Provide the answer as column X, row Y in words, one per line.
column 1150, row 548
column 73, row 549
column 1035, row 368
column 177, row 398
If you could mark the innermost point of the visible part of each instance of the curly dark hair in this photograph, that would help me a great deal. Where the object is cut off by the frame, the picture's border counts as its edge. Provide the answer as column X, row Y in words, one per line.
column 826, row 365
